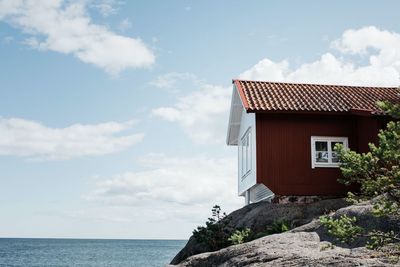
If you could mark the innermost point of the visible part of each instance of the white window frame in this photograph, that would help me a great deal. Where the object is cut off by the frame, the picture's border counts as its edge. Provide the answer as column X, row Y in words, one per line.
column 329, row 140
column 246, row 154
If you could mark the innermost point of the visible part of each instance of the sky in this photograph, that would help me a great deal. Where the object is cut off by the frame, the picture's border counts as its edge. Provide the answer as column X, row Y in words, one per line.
column 113, row 114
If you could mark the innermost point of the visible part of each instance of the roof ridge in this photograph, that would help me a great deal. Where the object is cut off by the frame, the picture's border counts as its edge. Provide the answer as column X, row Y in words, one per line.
column 317, row 84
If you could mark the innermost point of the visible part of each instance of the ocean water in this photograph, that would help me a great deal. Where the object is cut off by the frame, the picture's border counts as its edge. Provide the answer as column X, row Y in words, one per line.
column 29, row 252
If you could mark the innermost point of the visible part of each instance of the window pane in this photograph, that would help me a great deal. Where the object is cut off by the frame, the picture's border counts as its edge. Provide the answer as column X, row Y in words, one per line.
column 321, row 156
column 335, row 158
column 333, row 145
column 246, row 154
column 241, row 159
column 321, row 146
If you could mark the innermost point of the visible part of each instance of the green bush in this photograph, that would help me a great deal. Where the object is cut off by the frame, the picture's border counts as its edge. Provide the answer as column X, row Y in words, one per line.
column 343, row 228
column 379, row 238
column 378, row 174
column 276, row 227
column 279, row 226
column 378, row 171
column 216, row 233
column 241, row 236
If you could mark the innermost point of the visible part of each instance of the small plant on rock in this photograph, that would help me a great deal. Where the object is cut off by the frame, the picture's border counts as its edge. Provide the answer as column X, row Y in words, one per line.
column 343, row 228
column 241, row 236
column 279, row 226
column 276, row 227
column 379, row 239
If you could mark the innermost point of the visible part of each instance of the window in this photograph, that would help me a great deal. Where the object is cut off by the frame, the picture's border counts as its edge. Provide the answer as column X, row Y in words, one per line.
column 245, row 152
column 323, row 153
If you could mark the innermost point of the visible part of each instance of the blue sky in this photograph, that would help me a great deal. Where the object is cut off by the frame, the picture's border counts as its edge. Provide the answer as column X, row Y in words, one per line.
column 113, row 113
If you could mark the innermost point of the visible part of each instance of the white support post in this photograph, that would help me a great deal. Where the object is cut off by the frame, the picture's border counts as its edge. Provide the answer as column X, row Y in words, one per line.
column 247, row 197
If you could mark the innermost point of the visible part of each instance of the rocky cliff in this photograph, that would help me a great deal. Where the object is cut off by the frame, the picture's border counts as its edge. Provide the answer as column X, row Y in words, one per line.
column 307, row 245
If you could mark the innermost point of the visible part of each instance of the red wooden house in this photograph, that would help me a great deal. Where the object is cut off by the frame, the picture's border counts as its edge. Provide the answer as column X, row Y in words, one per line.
column 285, row 133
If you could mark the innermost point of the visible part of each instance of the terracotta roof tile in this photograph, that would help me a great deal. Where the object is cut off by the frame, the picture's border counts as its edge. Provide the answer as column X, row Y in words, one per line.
column 258, row 96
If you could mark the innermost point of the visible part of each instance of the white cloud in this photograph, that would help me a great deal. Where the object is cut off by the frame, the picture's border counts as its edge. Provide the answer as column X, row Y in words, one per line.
column 358, row 41
column 171, row 81
column 276, row 71
column 65, row 27
column 203, row 114
column 33, row 140
column 184, row 187
column 379, row 46
column 7, row 40
column 106, row 7
column 125, row 24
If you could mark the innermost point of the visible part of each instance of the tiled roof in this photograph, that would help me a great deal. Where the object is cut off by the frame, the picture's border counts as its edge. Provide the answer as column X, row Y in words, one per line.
column 260, row 96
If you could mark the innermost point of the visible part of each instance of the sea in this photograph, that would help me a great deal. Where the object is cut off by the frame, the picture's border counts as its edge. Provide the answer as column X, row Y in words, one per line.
column 29, row 252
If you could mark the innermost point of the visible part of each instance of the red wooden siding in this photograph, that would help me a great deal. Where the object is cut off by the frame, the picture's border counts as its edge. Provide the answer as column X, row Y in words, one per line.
column 284, row 150
column 367, row 131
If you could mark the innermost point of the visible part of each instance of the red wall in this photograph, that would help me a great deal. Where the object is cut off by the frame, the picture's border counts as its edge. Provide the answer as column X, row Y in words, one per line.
column 284, row 150
column 367, row 131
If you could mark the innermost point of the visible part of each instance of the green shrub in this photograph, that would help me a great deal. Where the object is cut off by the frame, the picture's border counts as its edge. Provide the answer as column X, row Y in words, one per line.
column 216, row 233
column 241, row 236
column 378, row 171
column 279, row 226
column 276, row 227
column 343, row 228
column 378, row 174
column 379, row 238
